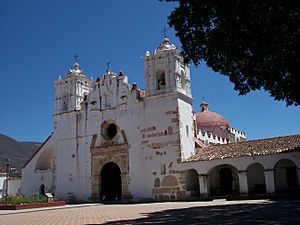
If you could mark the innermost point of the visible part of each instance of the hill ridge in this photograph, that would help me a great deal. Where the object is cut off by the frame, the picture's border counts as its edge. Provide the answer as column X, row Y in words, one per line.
column 17, row 151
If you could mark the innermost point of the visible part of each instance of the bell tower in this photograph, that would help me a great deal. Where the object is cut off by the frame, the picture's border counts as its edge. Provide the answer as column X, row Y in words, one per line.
column 165, row 71
column 70, row 91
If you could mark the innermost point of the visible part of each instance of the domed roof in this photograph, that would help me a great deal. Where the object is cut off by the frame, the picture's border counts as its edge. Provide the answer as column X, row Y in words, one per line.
column 206, row 119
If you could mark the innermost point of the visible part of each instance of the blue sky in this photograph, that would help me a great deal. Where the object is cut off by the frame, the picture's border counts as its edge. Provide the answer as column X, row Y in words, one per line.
column 38, row 41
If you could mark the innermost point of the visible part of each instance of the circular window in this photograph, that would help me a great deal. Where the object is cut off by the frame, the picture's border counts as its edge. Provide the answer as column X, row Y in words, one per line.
column 111, row 131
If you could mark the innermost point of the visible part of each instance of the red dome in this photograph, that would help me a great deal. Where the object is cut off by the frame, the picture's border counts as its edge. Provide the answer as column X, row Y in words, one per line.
column 208, row 119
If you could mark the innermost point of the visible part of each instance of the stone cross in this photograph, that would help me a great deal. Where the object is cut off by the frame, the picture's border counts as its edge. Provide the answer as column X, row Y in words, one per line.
column 165, row 31
column 108, row 64
column 75, row 58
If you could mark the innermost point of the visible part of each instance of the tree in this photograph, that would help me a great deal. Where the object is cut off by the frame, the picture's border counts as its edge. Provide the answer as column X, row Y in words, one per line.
column 255, row 43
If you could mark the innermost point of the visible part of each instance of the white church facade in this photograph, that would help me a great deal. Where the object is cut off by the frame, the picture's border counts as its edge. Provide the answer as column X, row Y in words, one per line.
column 112, row 140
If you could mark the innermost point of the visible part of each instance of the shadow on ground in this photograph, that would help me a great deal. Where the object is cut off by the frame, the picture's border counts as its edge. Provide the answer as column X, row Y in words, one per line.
column 282, row 212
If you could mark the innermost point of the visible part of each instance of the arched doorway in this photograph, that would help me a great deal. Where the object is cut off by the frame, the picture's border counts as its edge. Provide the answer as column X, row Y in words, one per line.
column 42, row 190
column 192, row 183
column 285, row 176
column 223, row 180
column 111, row 182
column 256, row 179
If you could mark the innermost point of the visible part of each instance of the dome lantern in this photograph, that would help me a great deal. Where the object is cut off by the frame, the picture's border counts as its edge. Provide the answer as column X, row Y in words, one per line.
column 204, row 106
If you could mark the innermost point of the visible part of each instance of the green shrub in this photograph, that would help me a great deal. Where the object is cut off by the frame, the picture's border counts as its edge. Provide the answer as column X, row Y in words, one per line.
column 19, row 199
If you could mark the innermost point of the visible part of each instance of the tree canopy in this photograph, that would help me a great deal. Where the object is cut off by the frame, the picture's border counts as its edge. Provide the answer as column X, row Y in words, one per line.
column 255, row 43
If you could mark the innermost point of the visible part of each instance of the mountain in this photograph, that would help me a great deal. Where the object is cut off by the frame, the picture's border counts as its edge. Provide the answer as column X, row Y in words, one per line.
column 17, row 152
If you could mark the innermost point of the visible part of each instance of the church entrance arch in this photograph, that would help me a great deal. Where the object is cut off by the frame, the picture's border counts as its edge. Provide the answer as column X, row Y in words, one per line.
column 111, row 182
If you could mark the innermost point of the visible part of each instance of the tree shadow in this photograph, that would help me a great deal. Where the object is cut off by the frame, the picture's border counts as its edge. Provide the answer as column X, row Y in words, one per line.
column 280, row 212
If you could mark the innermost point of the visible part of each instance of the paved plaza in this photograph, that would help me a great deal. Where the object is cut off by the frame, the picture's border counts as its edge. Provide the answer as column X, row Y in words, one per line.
column 215, row 212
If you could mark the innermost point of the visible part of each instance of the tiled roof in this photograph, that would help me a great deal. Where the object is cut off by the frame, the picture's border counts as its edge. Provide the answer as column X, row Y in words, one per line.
column 268, row 146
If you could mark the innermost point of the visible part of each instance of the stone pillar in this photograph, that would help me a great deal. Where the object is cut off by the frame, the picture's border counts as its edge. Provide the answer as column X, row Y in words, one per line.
column 243, row 182
column 203, row 185
column 125, row 190
column 270, row 184
column 298, row 169
column 96, row 187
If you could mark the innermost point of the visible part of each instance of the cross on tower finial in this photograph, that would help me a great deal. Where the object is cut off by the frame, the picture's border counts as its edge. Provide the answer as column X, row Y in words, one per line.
column 165, row 31
column 108, row 66
column 75, row 58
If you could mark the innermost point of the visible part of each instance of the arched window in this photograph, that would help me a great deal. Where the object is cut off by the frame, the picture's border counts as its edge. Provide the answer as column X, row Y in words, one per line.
column 161, row 79
column 65, row 101
column 182, row 80
column 108, row 99
column 85, row 96
column 178, row 80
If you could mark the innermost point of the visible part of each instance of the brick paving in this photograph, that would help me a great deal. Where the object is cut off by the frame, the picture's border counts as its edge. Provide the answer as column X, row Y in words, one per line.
column 215, row 212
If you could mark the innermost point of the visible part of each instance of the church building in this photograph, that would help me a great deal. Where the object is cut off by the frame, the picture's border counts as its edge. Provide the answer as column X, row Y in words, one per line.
column 114, row 141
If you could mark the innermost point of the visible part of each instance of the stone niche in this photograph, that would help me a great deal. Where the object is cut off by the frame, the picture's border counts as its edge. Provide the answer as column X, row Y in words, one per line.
column 100, row 156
